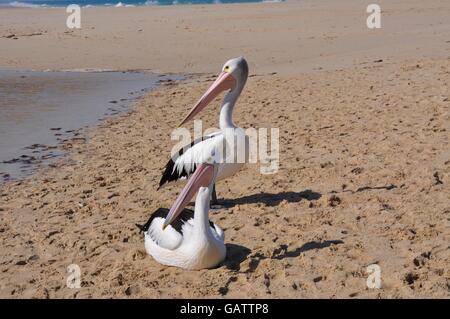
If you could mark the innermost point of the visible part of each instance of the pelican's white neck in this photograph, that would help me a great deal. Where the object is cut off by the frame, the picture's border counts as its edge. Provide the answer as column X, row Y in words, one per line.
column 201, row 218
column 226, row 111
column 226, row 114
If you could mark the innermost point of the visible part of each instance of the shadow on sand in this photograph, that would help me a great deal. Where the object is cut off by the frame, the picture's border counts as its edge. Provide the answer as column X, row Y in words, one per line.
column 271, row 199
column 282, row 252
column 236, row 254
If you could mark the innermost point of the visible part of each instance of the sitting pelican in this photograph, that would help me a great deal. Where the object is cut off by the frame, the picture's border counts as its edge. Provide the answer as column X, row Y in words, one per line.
column 233, row 78
column 192, row 241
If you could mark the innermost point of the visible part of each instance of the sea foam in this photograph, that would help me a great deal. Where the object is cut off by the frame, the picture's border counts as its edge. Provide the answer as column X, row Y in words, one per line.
column 18, row 4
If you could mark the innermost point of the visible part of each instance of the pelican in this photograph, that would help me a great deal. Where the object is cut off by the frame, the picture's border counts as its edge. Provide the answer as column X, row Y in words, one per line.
column 233, row 78
column 191, row 241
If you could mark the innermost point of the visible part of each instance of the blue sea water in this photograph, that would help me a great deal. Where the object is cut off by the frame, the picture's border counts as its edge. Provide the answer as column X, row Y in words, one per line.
column 117, row 3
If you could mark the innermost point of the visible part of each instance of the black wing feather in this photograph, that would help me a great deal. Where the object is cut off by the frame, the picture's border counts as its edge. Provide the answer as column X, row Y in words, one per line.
column 169, row 175
column 177, row 224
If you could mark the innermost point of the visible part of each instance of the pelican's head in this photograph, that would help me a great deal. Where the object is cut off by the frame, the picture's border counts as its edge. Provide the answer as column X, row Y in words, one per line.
column 238, row 68
column 233, row 77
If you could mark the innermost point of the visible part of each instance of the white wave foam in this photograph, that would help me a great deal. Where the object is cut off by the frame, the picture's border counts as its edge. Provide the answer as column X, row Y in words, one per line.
column 121, row 5
column 18, row 4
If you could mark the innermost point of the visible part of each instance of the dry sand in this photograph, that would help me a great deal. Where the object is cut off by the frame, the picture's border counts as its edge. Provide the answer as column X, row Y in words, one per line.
column 288, row 37
column 364, row 165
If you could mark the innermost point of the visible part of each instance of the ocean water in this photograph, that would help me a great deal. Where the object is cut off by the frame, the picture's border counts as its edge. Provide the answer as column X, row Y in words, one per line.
column 41, row 110
column 116, row 3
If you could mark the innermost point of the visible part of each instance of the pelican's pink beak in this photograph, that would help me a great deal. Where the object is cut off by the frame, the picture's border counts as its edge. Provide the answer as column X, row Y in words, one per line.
column 201, row 178
column 225, row 81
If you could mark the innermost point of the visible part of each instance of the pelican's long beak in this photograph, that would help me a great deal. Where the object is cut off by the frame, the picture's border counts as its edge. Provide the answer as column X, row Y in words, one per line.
column 202, row 177
column 225, row 81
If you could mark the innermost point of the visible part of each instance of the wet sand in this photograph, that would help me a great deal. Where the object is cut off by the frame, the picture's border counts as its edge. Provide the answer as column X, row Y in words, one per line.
column 364, row 162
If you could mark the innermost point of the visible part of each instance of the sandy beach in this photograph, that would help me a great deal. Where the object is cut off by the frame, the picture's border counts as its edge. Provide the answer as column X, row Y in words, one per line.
column 364, row 173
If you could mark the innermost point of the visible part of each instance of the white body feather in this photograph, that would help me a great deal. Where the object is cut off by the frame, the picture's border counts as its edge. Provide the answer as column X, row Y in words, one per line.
column 232, row 155
column 198, row 246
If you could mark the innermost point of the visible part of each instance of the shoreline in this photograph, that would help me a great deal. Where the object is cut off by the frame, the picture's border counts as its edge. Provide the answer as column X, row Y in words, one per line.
column 30, row 5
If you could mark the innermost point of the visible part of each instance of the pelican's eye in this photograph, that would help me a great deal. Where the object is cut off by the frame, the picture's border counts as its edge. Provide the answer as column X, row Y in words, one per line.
column 226, row 68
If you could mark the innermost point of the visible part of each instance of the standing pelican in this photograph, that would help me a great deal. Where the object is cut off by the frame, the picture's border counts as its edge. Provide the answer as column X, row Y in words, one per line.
column 192, row 241
column 233, row 78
